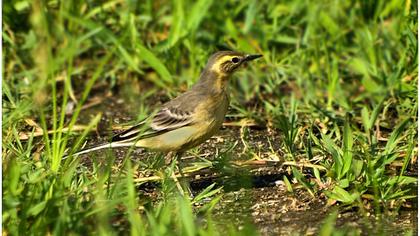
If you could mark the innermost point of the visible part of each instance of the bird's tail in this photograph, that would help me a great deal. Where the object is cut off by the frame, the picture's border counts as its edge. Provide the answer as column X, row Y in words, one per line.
column 99, row 147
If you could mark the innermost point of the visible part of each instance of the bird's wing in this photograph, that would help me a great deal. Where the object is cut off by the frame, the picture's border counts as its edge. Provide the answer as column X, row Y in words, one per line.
column 168, row 118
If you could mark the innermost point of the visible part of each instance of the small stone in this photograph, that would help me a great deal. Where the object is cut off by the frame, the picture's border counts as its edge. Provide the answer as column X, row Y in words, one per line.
column 280, row 183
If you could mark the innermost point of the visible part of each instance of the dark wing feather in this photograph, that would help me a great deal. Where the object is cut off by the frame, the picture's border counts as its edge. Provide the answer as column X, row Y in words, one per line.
column 170, row 118
column 165, row 120
column 131, row 133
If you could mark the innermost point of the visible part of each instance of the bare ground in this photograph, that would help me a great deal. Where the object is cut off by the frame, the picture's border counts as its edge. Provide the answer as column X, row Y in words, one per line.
column 254, row 191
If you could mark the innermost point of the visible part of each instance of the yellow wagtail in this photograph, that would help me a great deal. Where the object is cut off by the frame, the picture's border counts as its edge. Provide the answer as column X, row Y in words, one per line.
column 189, row 119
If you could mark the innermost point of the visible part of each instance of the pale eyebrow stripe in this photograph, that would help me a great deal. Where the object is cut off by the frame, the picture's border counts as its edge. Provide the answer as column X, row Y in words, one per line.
column 216, row 65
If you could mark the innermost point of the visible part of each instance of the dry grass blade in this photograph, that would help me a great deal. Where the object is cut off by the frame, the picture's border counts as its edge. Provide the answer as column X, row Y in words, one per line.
column 39, row 132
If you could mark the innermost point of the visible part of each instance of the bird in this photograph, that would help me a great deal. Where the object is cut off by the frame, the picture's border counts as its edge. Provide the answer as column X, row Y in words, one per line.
column 187, row 120
column 190, row 118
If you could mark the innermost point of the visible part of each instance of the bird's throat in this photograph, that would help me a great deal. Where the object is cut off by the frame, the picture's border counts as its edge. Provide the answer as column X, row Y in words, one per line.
column 213, row 82
column 221, row 82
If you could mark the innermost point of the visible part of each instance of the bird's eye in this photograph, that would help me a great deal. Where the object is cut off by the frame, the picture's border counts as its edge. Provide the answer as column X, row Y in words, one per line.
column 235, row 60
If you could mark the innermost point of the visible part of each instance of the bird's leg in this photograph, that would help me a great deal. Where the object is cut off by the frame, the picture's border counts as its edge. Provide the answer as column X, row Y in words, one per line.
column 168, row 159
column 185, row 182
column 179, row 164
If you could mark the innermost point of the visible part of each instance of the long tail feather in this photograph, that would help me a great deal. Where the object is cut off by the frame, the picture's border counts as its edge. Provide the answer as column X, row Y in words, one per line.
column 99, row 147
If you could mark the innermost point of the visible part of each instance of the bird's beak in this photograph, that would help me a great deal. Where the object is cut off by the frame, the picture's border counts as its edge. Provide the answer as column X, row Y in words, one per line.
column 252, row 57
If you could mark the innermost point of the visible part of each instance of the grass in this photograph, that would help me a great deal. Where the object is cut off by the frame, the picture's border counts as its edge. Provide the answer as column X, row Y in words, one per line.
column 338, row 82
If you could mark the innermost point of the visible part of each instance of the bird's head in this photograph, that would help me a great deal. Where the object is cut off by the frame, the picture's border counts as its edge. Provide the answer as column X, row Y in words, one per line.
column 224, row 63
column 219, row 68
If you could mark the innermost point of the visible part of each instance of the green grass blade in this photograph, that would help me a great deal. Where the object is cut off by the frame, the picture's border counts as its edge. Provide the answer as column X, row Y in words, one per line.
column 347, row 149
